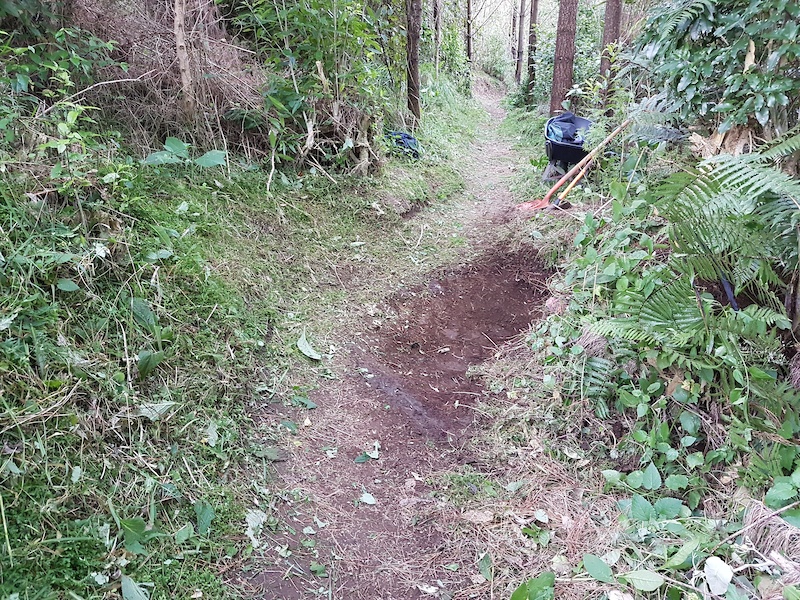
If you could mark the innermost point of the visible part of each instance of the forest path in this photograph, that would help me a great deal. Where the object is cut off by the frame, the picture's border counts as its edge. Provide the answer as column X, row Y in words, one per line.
column 355, row 526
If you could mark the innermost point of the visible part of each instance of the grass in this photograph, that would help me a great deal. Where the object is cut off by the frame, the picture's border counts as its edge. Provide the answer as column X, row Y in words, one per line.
column 147, row 322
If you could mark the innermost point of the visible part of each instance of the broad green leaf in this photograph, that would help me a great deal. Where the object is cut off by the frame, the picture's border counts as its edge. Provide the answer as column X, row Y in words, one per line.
column 132, row 590
column 677, row 482
column 652, row 478
column 612, row 476
column 148, row 361
column 635, row 479
column 134, row 534
column 792, row 517
column 641, row 509
column 291, row 426
column 690, row 422
column 162, row 157
column 67, row 285
column 696, row 459
column 485, row 566
column 779, row 493
column 184, row 533
column 305, row 348
column 362, row 458
column 368, row 498
column 597, row 568
column 537, row 588
column 318, row 569
column 212, row 158
column 304, row 401
column 452, row 567
column 515, row 486
column 644, row 580
column 205, row 514
column 143, row 314
column 176, row 147
column 682, row 555
column 668, row 508
column 791, row 592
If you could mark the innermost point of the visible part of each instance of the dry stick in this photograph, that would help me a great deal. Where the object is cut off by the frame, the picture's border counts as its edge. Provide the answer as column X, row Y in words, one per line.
column 589, row 157
column 763, row 519
column 573, row 183
column 5, row 531
column 95, row 85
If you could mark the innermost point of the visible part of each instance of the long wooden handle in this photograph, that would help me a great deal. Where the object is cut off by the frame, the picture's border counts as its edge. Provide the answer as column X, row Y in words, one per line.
column 586, row 159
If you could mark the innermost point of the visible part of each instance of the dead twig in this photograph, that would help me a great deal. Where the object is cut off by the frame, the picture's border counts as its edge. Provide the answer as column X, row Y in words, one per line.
column 93, row 86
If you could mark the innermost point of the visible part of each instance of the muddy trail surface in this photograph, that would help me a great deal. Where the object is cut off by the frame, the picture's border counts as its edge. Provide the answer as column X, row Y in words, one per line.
column 360, row 517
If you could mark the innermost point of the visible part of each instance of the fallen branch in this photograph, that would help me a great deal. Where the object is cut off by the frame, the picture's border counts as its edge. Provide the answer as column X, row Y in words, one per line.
column 756, row 523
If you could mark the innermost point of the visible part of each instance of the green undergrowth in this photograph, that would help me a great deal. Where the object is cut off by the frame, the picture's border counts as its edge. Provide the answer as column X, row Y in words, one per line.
column 665, row 364
column 149, row 315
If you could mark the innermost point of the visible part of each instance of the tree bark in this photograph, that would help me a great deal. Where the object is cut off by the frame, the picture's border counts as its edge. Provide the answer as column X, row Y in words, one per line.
column 469, row 30
column 563, row 66
column 532, row 46
column 520, row 41
column 610, row 35
column 413, row 23
column 437, row 33
column 187, row 85
column 513, row 44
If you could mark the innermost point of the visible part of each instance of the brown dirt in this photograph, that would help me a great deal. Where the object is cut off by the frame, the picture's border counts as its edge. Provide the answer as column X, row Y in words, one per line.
column 404, row 384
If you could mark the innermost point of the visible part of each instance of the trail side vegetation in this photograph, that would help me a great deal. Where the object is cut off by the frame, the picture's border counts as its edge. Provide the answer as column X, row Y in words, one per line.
column 667, row 361
column 172, row 175
column 174, row 180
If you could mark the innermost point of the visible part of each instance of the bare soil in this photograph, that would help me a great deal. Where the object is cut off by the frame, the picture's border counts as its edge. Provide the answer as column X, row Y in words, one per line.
column 383, row 527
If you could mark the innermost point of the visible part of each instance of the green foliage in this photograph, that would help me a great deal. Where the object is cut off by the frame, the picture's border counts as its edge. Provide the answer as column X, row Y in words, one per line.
column 495, row 61
column 750, row 49
column 652, row 339
column 177, row 152
column 587, row 57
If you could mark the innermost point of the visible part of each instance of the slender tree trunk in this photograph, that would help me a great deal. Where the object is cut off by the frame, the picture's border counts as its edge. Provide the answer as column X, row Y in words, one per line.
column 610, row 36
column 532, row 46
column 187, row 85
column 513, row 44
column 520, row 41
column 437, row 32
column 469, row 30
column 413, row 23
column 565, row 53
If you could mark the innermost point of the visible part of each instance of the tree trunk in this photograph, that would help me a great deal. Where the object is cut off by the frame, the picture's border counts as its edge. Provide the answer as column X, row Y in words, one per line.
column 610, row 35
column 187, row 85
column 469, row 30
column 437, row 33
column 532, row 47
column 514, row 31
column 565, row 53
column 413, row 22
column 520, row 41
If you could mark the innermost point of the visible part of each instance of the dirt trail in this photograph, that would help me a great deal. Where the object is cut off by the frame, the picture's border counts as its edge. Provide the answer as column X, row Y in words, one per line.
column 404, row 391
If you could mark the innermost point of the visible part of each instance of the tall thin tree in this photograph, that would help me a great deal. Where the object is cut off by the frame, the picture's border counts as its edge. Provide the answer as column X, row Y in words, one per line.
column 610, row 36
column 513, row 45
column 413, row 25
column 520, row 41
column 437, row 33
column 563, row 66
column 532, row 47
column 468, row 26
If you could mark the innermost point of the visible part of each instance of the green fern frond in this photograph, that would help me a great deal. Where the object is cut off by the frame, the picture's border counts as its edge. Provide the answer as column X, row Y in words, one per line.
column 786, row 145
column 675, row 19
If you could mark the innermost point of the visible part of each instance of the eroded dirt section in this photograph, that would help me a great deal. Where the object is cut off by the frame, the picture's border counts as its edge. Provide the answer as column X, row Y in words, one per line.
column 421, row 357
column 402, row 392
